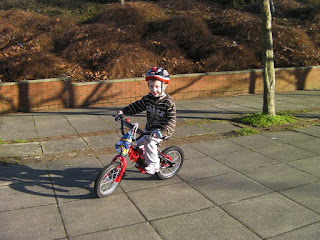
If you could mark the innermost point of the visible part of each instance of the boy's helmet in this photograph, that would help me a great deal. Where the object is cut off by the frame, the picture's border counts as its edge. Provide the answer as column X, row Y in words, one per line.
column 158, row 73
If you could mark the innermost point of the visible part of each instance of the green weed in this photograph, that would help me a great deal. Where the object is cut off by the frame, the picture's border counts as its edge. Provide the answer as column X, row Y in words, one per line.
column 246, row 132
column 19, row 141
column 263, row 120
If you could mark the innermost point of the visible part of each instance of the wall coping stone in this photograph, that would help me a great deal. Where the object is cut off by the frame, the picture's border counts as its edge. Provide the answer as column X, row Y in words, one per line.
column 67, row 78
column 36, row 81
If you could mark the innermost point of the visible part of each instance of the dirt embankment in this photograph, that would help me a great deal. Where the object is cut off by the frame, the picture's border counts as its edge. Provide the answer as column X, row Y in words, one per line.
column 124, row 41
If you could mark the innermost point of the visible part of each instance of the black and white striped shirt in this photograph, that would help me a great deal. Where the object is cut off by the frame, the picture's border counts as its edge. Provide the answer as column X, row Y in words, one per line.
column 161, row 112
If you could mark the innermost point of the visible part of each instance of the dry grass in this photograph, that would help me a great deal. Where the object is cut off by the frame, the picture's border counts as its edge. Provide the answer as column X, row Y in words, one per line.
column 124, row 41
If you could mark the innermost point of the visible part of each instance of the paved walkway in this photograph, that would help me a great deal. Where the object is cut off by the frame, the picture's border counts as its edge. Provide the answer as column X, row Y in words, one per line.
column 263, row 186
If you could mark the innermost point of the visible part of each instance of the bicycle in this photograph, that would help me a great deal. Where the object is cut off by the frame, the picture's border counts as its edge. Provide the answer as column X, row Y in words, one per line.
column 107, row 181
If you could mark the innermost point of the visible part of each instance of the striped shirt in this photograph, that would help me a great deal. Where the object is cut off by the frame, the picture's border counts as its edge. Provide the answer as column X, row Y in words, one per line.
column 161, row 112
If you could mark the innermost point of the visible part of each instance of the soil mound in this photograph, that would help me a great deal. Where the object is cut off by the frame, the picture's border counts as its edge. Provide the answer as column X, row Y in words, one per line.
column 182, row 36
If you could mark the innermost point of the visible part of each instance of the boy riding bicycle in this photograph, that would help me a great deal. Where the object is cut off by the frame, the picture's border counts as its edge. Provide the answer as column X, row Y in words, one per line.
column 161, row 115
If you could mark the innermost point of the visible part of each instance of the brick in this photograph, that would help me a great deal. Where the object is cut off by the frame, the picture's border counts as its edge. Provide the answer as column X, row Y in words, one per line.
column 51, row 94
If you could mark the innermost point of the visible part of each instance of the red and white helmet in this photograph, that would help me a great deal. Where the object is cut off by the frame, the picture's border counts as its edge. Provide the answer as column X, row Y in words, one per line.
column 158, row 73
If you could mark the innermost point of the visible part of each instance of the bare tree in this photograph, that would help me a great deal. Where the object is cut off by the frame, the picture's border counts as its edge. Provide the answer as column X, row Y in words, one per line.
column 267, row 59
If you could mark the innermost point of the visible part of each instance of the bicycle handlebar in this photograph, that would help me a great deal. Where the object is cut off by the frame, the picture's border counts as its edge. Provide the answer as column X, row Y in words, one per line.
column 127, row 124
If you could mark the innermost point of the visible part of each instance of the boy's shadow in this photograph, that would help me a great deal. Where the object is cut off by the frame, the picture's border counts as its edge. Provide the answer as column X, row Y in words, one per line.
column 70, row 183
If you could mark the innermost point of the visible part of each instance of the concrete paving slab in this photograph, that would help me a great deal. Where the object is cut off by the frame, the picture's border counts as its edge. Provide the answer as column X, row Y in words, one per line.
column 190, row 153
column 308, row 165
column 88, row 122
column 26, row 195
column 202, row 168
column 189, row 130
column 228, row 188
column 227, row 103
column 225, row 172
column 253, row 98
column 105, row 111
column 140, row 231
column 192, row 114
column 20, row 149
column 205, row 105
column 134, row 180
column 244, row 160
column 67, row 190
column 17, row 174
column 249, row 102
column 100, row 214
column 309, row 145
column 290, row 99
column 204, row 109
column 236, row 108
column 73, row 166
column 65, row 145
column 224, row 115
column 311, row 103
column 255, row 141
column 106, row 159
column 271, row 214
column 52, row 124
column 308, row 232
column 285, row 153
column 219, row 127
column 309, row 116
column 166, row 201
column 188, row 104
column 215, row 147
column 311, row 130
column 109, row 118
column 18, row 127
column 102, row 141
column 212, row 223
column 283, row 106
column 280, row 176
column 43, row 222
column 307, row 195
column 288, row 136
column 74, row 178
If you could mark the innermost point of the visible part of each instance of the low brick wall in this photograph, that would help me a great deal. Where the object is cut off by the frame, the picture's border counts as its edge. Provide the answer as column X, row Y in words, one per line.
column 45, row 94
column 33, row 95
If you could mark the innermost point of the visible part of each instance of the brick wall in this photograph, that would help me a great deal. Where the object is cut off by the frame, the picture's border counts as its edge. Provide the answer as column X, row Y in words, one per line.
column 45, row 94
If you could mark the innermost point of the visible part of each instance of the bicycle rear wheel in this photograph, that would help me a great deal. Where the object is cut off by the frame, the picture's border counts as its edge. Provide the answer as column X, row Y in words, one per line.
column 169, row 170
column 105, row 183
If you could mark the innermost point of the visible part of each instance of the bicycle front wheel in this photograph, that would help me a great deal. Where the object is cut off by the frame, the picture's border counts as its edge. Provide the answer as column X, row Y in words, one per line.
column 105, row 183
column 169, row 170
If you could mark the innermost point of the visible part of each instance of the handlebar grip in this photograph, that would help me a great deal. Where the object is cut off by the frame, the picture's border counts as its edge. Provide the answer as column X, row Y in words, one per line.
column 118, row 118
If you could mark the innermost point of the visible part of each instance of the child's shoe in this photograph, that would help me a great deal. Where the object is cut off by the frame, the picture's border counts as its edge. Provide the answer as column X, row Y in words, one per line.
column 152, row 169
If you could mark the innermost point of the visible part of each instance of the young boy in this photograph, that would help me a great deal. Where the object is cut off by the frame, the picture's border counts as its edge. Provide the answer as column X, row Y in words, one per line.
column 161, row 115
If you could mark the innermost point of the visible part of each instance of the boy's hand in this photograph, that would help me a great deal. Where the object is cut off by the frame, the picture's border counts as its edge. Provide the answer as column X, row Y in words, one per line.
column 156, row 134
column 119, row 112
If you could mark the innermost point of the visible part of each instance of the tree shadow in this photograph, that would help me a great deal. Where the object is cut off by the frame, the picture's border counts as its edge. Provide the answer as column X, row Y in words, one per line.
column 301, row 76
column 102, row 91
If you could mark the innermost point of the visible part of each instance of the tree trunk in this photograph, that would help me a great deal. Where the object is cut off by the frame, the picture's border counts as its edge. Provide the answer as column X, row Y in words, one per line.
column 267, row 59
column 122, row 2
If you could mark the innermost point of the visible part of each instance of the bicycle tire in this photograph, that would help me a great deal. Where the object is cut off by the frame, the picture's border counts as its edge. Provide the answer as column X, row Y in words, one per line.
column 177, row 156
column 105, row 184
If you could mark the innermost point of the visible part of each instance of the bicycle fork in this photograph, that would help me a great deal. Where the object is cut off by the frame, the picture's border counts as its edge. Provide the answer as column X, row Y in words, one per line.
column 123, row 166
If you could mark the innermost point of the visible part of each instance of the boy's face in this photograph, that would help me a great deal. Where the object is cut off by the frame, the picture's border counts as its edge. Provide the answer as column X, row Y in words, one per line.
column 156, row 87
